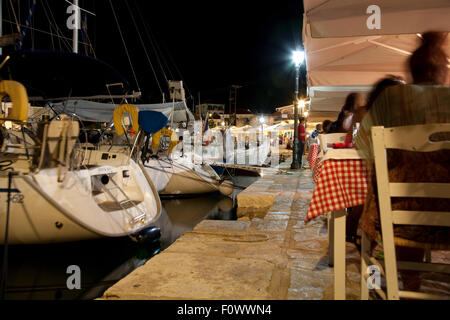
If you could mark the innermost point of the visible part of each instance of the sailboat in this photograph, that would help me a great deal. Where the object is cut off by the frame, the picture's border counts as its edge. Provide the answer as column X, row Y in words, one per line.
column 173, row 174
column 56, row 188
column 57, row 192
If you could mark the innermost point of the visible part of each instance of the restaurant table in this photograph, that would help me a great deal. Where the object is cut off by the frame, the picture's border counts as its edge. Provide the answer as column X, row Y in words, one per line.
column 313, row 155
column 341, row 183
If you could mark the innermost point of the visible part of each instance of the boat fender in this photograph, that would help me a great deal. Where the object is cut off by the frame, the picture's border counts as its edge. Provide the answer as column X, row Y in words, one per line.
column 120, row 111
column 157, row 137
column 226, row 188
column 226, row 204
column 148, row 234
column 19, row 98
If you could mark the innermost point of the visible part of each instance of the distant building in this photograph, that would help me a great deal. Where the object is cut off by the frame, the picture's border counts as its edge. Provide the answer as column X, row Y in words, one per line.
column 243, row 117
column 287, row 113
column 282, row 114
column 213, row 109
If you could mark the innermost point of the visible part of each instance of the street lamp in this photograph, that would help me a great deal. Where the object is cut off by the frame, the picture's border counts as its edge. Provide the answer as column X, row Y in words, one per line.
column 262, row 120
column 298, row 57
column 301, row 105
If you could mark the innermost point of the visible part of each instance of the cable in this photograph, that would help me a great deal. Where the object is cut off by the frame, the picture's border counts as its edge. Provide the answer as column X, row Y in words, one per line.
column 5, row 246
column 15, row 17
column 148, row 33
column 143, row 45
column 42, row 31
column 52, row 23
column 124, row 44
column 178, row 71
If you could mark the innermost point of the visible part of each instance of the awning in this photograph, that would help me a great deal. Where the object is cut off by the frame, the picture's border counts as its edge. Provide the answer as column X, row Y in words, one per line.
column 348, row 18
column 343, row 55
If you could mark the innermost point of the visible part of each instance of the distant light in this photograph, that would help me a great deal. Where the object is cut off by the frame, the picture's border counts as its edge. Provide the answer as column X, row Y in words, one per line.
column 301, row 104
column 223, row 123
column 262, row 120
column 298, row 57
column 305, row 114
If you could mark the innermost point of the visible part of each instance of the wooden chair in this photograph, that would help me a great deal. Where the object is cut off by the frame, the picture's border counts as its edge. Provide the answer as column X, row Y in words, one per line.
column 325, row 139
column 411, row 138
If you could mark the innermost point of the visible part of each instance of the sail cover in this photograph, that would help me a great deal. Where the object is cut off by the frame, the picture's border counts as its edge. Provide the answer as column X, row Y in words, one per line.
column 103, row 112
column 152, row 121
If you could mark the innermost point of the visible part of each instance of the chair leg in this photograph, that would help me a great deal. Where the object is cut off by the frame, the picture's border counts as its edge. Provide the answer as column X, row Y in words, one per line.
column 390, row 261
column 330, row 239
column 339, row 218
column 365, row 251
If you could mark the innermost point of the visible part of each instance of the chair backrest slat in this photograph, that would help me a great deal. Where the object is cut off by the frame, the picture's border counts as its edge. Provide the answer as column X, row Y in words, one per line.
column 421, row 218
column 409, row 138
column 416, row 138
column 420, row 190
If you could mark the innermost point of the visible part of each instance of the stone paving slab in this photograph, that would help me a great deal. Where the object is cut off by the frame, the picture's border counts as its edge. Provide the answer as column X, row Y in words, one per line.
column 272, row 255
column 268, row 254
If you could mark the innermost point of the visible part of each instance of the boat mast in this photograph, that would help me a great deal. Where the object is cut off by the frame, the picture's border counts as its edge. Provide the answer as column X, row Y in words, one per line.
column 77, row 24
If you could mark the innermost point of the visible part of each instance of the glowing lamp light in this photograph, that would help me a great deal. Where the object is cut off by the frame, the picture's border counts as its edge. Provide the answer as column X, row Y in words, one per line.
column 301, row 104
column 298, row 57
column 262, row 120
column 305, row 114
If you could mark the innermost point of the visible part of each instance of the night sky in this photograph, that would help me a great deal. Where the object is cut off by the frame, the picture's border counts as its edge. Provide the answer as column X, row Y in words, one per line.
column 210, row 45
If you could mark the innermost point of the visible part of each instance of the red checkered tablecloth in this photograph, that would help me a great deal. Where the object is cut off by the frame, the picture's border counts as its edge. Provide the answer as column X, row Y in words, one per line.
column 312, row 155
column 316, row 170
column 341, row 184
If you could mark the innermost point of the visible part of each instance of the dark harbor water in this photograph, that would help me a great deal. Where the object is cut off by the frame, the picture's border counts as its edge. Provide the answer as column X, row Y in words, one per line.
column 39, row 272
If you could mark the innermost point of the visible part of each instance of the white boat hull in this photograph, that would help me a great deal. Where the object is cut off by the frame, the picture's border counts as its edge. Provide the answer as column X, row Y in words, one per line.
column 45, row 211
column 181, row 177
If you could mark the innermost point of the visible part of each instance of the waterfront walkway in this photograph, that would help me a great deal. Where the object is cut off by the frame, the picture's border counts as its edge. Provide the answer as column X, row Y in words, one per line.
column 269, row 253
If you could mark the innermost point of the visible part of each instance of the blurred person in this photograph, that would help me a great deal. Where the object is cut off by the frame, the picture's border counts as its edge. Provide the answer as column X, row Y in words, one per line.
column 424, row 102
column 317, row 131
column 301, row 140
column 354, row 213
column 343, row 123
column 360, row 112
column 326, row 124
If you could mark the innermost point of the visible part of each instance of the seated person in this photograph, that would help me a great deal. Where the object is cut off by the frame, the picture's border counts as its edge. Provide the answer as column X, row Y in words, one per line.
column 317, row 131
column 361, row 111
column 426, row 101
column 343, row 123
column 326, row 125
column 354, row 213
